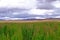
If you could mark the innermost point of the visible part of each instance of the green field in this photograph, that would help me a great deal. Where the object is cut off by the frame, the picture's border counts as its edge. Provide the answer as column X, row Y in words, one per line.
column 30, row 31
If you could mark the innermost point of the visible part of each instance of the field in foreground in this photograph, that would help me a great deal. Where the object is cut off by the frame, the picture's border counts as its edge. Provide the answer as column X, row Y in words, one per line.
column 15, row 30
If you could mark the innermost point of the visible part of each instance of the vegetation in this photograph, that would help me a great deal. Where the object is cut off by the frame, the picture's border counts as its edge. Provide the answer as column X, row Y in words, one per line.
column 30, row 31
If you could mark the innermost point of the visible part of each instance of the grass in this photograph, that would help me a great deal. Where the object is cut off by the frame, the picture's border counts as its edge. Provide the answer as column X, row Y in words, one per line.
column 30, row 31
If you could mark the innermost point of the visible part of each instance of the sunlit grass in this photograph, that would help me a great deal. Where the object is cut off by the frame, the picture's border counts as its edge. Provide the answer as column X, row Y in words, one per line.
column 30, row 31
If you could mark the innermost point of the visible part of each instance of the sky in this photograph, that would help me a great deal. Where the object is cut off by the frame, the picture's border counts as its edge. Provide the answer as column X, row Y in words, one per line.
column 18, row 3
column 24, row 3
column 31, row 5
column 56, row 4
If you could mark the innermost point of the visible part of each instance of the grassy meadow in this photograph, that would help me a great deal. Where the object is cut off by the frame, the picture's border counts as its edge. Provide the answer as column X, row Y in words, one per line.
column 30, row 31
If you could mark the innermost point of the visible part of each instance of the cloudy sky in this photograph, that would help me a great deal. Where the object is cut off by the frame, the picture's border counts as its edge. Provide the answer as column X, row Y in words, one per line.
column 26, row 3
column 46, row 8
column 18, row 3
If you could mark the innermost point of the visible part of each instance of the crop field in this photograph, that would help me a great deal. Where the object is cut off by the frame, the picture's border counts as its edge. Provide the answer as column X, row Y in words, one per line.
column 30, row 31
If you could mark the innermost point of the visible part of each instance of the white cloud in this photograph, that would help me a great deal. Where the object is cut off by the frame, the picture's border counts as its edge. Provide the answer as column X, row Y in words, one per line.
column 56, row 4
column 4, row 18
column 15, row 13
column 57, row 17
column 49, row 12
column 39, row 18
column 9, row 18
column 18, row 3
column 38, row 11
column 14, row 19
